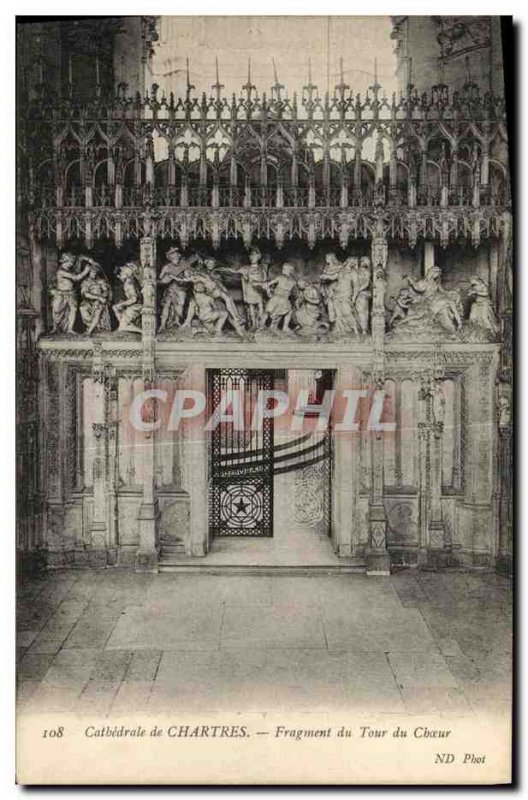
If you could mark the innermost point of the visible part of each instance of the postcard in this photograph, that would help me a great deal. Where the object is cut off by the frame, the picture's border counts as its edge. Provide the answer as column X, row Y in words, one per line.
column 264, row 387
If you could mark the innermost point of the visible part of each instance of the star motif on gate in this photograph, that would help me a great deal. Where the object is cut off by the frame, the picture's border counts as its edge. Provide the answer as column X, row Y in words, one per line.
column 241, row 506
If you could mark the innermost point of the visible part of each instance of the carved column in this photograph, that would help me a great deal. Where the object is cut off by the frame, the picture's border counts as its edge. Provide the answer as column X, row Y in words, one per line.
column 345, row 484
column 196, row 457
column 476, row 520
column 147, row 555
column 112, row 415
column 493, row 270
column 99, row 528
column 52, row 445
column 505, row 301
column 378, row 561
column 504, row 553
column 504, row 546
column 429, row 256
column 27, row 421
column 424, row 435
column 435, row 525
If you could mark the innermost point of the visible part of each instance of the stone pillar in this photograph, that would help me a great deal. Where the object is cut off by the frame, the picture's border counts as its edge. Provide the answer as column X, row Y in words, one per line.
column 505, row 264
column 147, row 555
column 429, row 256
column 435, row 525
column 378, row 561
column 198, row 542
column 27, row 423
column 504, row 545
column 52, row 408
column 493, row 270
column 476, row 513
column 345, row 485
column 424, row 435
column 112, row 414
column 99, row 527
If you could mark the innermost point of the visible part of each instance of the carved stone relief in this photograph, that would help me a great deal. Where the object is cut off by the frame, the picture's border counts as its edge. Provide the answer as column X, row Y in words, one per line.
column 196, row 301
column 424, row 310
column 402, row 521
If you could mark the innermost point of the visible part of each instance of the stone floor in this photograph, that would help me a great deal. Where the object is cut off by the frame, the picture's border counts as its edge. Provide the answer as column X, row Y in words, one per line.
column 112, row 641
column 301, row 548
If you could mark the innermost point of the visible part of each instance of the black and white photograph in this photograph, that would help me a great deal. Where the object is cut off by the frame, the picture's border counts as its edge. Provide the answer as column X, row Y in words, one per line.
column 264, row 379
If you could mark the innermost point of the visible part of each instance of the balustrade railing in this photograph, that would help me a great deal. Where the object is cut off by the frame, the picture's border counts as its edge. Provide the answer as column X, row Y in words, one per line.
column 166, row 196
column 289, row 133
column 461, row 195
column 110, row 196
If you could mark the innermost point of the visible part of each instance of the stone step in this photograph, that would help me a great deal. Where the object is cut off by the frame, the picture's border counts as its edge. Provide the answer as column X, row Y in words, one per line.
column 262, row 569
column 172, row 548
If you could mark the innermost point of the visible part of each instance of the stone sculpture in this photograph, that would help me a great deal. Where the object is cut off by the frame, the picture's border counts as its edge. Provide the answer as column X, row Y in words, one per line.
column 96, row 295
column 253, row 277
column 65, row 303
column 207, row 311
column 362, row 294
column 309, row 310
column 175, row 295
column 425, row 303
column 207, row 276
column 128, row 311
column 279, row 307
column 481, row 312
column 337, row 279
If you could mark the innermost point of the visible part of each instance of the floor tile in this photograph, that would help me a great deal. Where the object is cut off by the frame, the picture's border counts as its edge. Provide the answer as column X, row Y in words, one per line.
column 278, row 626
column 138, row 629
column 71, row 668
column 422, row 669
column 97, row 697
column 268, row 679
column 112, row 641
column 132, row 698
column 92, row 630
column 427, row 700
column 52, row 699
column 143, row 665
column 366, row 629
column 33, row 666
column 111, row 665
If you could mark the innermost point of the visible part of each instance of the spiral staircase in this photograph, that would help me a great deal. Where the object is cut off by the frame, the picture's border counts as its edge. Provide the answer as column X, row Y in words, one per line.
column 291, row 453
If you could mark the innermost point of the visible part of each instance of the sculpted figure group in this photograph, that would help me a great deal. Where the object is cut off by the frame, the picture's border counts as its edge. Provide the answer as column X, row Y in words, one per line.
column 83, row 287
column 425, row 302
column 195, row 298
column 195, row 290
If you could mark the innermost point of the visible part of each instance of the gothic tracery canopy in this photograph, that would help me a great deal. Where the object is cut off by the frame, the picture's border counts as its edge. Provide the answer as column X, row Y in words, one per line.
column 309, row 165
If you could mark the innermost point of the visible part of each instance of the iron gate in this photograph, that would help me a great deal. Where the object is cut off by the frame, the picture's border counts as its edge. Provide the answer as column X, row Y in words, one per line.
column 241, row 461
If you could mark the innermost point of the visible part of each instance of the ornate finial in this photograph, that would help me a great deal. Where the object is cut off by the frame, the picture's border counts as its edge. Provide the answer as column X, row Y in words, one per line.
column 248, row 87
column 409, row 75
column 310, row 87
column 217, row 86
column 342, row 86
column 189, row 84
column 277, row 87
column 375, row 86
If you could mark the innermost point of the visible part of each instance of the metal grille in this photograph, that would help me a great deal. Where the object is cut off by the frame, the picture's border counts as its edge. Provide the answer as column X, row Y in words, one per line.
column 241, row 461
column 328, row 482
